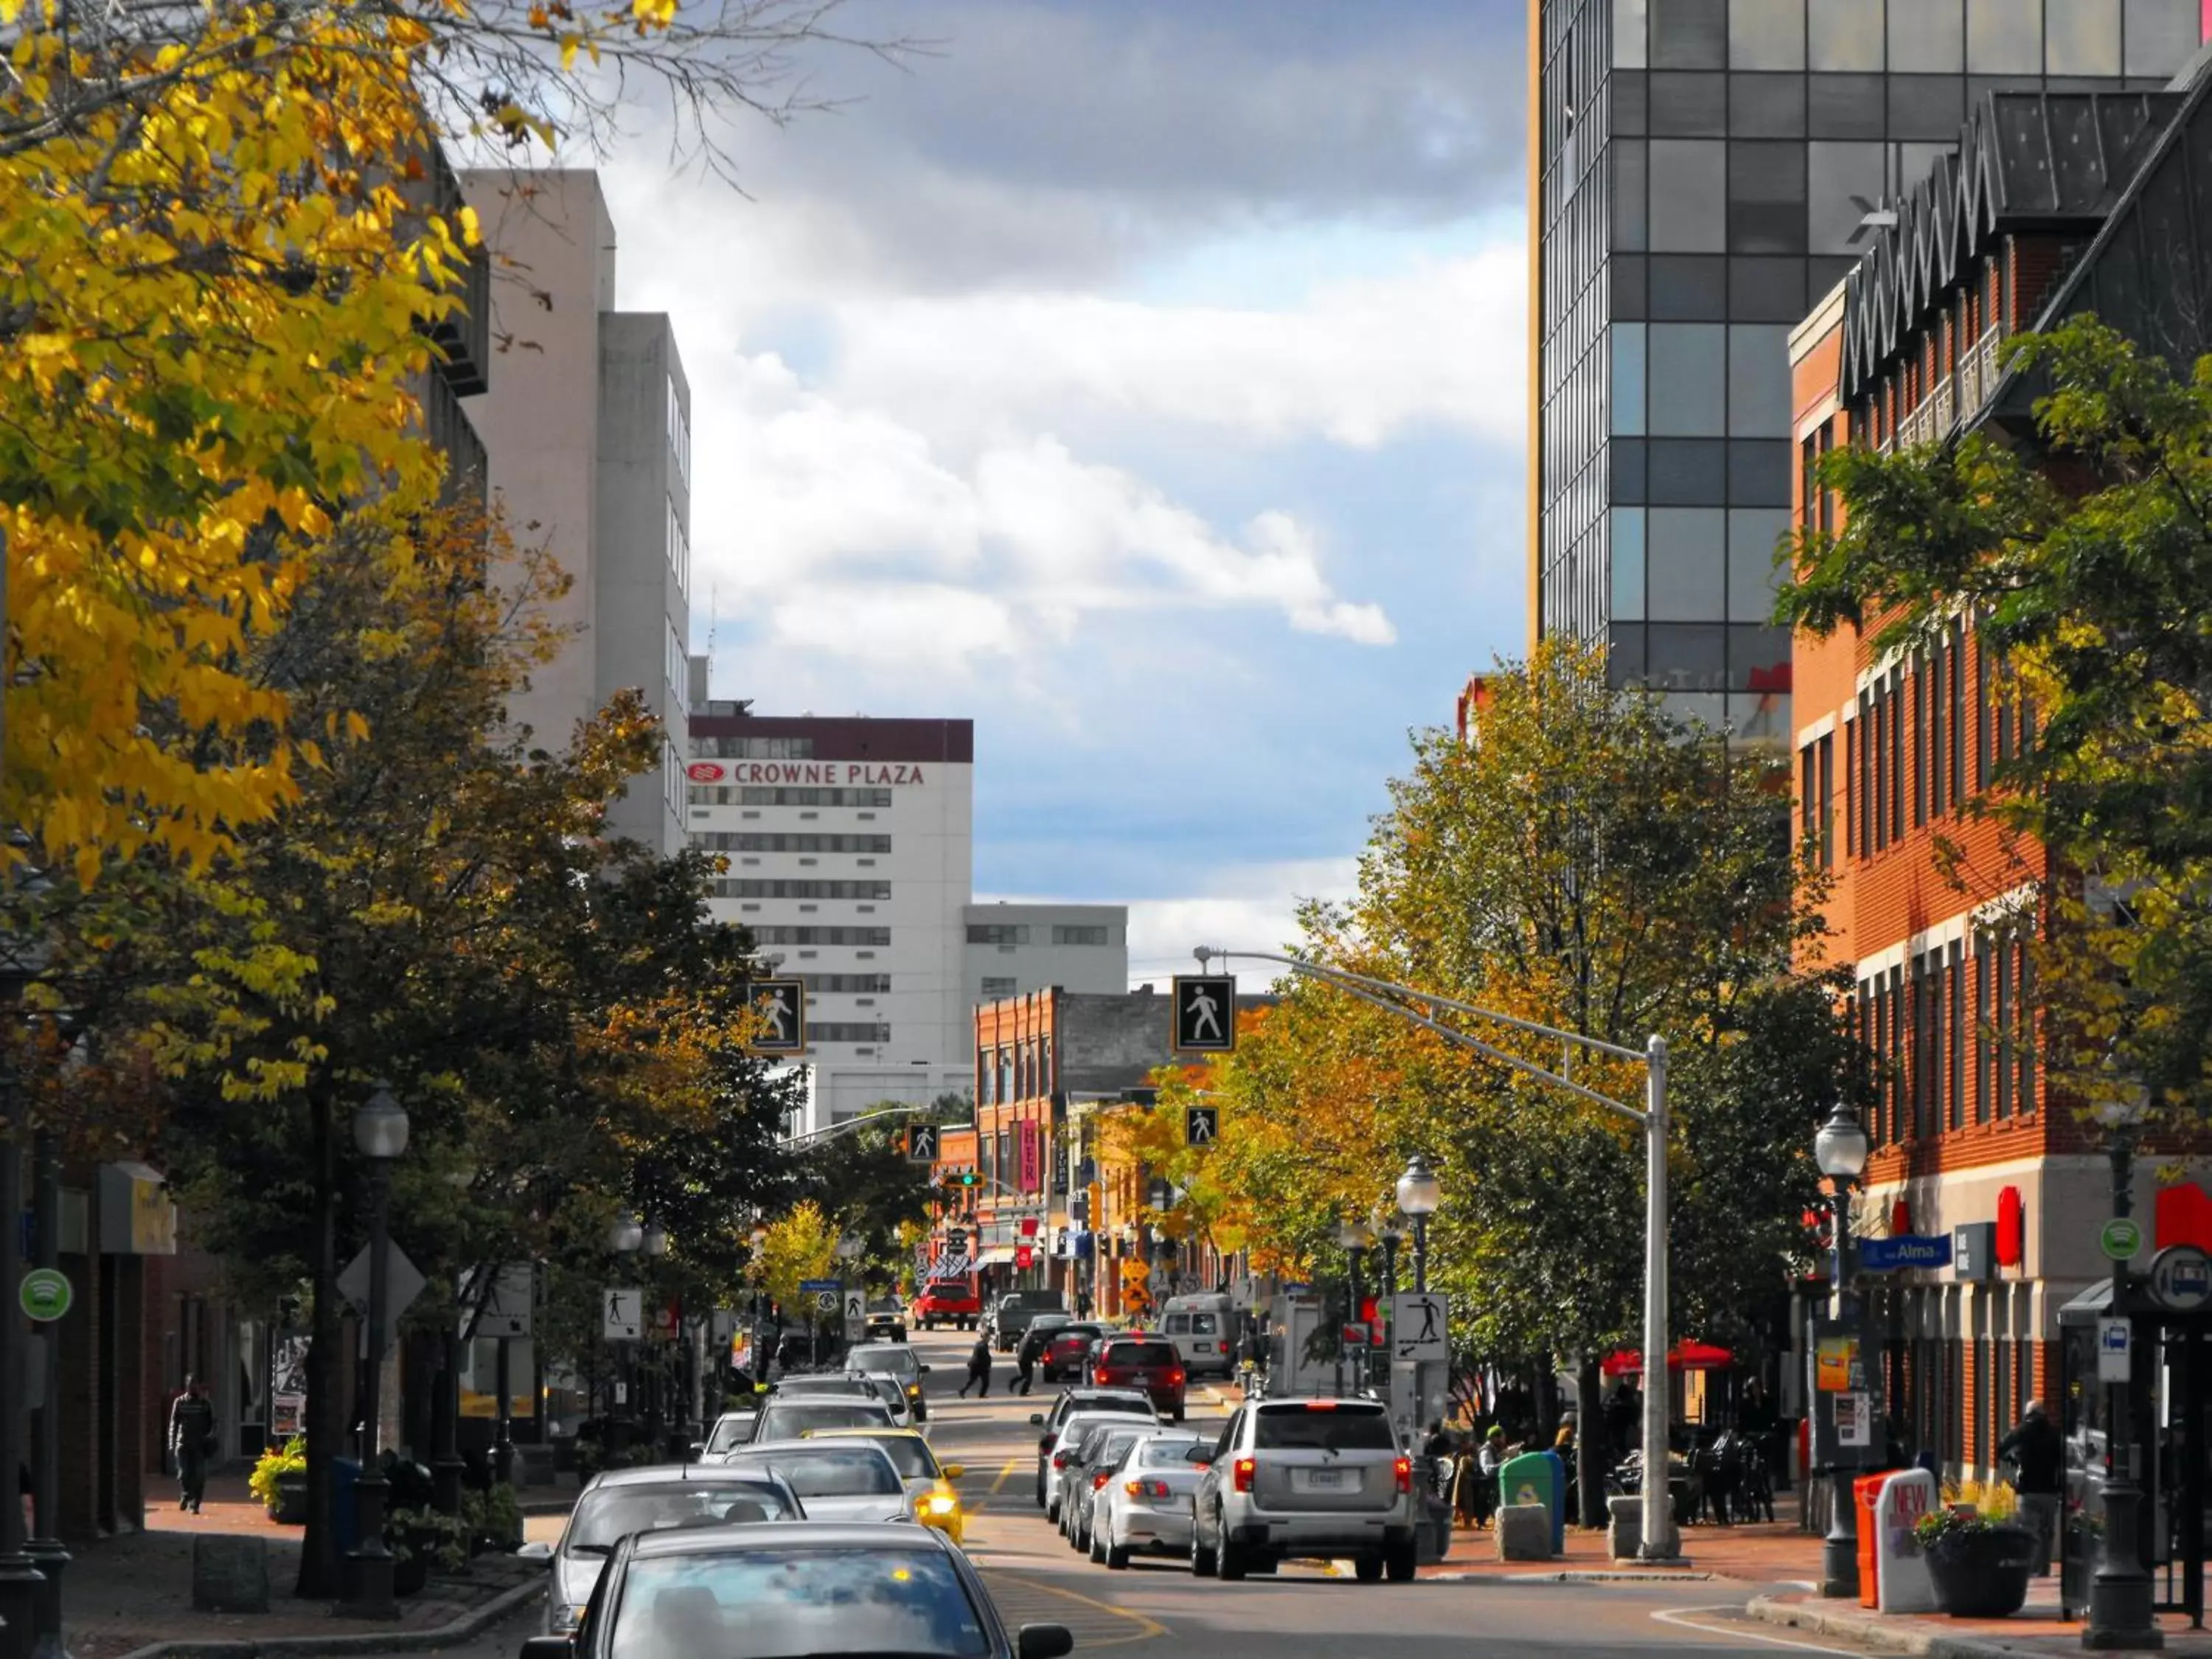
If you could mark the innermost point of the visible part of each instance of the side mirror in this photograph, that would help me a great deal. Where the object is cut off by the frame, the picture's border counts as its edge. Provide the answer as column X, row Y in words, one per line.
column 560, row 1647
column 953, row 1471
column 537, row 1550
column 1033, row 1642
column 923, row 1370
column 1037, row 1419
column 1202, row 1456
column 698, row 1449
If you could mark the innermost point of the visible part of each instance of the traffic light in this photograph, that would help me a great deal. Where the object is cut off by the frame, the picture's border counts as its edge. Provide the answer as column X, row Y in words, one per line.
column 967, row 1178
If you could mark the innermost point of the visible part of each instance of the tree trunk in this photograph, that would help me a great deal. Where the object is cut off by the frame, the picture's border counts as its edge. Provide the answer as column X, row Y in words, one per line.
column 1546, row 1394
column 318, row 1577
column 1591, row 1452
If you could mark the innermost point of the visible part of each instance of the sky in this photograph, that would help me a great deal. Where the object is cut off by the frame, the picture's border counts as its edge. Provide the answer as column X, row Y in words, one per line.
column 1141, row 378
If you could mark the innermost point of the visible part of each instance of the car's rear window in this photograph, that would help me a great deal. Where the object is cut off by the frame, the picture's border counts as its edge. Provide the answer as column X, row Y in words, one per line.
column 606, row 1516
column 1133, row 1408
column 1305, row 1428
column 1139, row 1353
column 832, row 1471
column 789, row 1422
column 1162, row 1453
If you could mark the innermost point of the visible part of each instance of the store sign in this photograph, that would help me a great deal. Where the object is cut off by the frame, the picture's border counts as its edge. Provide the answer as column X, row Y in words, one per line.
column 1878, row 1255
column 832, row 774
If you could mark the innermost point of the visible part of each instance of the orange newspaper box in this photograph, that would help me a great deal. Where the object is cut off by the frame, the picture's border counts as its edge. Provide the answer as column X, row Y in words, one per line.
column 1866, row 1492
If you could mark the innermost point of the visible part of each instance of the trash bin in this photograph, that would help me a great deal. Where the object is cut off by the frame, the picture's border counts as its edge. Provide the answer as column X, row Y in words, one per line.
column 1534, row 1477
column 1866, row 1492
column 1558, row 1500
column 345, row 1475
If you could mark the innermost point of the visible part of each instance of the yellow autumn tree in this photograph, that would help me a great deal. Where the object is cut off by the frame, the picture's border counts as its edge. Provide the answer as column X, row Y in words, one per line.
column 801, row 1244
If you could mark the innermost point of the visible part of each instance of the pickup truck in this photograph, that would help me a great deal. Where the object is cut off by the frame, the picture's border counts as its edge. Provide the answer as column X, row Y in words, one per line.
column 1011, row 1313
column 955, row 1302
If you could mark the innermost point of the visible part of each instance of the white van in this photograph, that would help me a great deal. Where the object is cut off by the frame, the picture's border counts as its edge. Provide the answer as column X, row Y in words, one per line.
column 1204, row 1331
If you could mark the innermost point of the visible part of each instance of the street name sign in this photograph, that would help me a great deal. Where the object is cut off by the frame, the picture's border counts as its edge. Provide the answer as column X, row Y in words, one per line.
column 1205, row 1013
column 1418, row 1334
column 622, row 1313
column 815, row 1287
column 2120, row 1238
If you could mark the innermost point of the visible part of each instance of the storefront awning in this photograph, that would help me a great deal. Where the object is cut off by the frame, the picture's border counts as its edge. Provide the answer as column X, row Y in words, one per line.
column 998, row 1256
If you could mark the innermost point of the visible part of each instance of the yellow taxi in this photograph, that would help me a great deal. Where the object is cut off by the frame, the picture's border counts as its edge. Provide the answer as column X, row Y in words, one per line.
column 928, row 1482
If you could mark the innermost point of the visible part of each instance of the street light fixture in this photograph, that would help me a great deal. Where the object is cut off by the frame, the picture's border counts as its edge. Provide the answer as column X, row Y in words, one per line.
column 626, row 1235
column 379, row 1135
column 2121, row 1591
column 1840, row 1151
column 653, row 1239
column 1419, row 1193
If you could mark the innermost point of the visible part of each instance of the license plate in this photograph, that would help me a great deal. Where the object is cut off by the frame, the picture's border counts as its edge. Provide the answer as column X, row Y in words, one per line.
column 1321, row 1479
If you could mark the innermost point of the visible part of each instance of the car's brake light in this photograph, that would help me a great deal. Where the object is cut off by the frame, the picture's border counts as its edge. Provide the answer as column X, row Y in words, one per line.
column 1060, row 1460
column 1175, row 1377
column 1146, row 1488
column 1099, row 1479
column 1320, row 1405
column 1241, row 1472
column 1404, row 1470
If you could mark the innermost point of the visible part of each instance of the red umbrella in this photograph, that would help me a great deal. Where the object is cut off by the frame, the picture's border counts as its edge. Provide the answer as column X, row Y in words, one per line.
column 1684, row 1356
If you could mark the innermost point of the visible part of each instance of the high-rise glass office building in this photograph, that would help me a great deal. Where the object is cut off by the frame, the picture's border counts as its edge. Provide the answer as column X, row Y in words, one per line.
column 1703, row 172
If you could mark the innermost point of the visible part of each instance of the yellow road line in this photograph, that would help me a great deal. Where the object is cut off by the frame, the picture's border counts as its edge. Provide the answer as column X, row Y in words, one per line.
column 1004, row 1475
column 1149, row 1628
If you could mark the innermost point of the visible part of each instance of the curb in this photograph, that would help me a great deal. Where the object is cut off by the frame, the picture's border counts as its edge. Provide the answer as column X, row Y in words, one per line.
column 1887, row 1635
column 466, row 1628
column 1570, row 1576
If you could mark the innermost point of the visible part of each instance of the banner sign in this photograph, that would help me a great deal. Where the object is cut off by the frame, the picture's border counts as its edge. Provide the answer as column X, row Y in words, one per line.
column 1878, row 1255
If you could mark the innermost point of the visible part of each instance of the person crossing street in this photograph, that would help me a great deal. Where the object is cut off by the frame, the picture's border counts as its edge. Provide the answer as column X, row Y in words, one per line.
column 979, row 1370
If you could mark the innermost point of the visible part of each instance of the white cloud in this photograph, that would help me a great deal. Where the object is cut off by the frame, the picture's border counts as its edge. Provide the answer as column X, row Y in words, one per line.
column 1250, row 907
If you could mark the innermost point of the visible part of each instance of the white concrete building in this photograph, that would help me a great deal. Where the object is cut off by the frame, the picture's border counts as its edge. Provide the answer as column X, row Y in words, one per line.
column 588, row 430
column 850, row 847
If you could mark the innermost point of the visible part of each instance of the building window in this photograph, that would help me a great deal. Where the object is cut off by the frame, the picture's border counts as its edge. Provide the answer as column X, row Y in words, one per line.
column 1079, row 935
column 759, row 841
column 822, row 935
column 755, row 887
column 1005, row 1065
column 733, row 748
column 679, row 432
column 870, row 982
column 995, row 932
column 1954, row 1026
column 2004, row 1044
column 1824, row 785
column 993, row 989
column 679, row 549
column 849, row 1031
column 672, row 779
column 679, row 673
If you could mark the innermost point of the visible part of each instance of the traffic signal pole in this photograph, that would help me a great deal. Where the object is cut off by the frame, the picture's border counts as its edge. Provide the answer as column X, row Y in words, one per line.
column 1660, row 1542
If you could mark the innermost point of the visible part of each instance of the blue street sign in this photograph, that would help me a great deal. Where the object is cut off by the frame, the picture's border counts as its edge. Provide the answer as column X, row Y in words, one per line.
column 1879, row 1256
column 814, row 1287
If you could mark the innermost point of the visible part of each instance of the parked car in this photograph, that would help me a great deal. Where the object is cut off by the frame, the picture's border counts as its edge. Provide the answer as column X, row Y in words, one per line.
column 1069, row 1350
column 1096, row 1454
column 1139, row 1359
column 809, row 1587
column 613, row 1505
column 1306, row 1478
column 1144, row 1504
column 955, row 1301
column 1011, row 1313
column 836, row 1480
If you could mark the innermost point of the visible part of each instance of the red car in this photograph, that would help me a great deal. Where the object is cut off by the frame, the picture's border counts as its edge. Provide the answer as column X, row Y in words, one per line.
column 1067, row 1350
column 1139, row 1359
column 955, row 1302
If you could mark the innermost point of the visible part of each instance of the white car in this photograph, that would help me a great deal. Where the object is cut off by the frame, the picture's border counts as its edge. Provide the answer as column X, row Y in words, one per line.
column 1145, row 1505
column 835, row 1480
column 1072, row 1430
column 849, row 1385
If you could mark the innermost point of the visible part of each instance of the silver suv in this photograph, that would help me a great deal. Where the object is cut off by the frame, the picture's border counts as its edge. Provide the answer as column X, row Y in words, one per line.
column 1306, row 1478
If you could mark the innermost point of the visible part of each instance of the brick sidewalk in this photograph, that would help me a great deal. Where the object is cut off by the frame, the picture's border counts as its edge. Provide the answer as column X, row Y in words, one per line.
column 1762, row 1554
column 127, row 1592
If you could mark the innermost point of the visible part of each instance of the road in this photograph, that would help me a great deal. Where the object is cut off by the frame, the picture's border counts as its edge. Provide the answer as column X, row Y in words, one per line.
column 1301, row 1612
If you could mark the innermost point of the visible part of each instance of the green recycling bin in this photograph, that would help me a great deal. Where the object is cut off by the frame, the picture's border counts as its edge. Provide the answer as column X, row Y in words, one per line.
column 1532, row 1478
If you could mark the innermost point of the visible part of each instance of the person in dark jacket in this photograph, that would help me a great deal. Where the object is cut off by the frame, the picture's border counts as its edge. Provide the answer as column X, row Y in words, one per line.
column 979, row 1370
column 2038, row 1452
column 192, row 1437
column 1026, row 1352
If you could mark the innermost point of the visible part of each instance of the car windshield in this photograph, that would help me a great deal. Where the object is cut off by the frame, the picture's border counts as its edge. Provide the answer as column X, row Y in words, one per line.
column 1074, row 1332
column 832, row 1471
column 909, row 1454
column 1306, row 1428
column 887, row 1359
column 1161, row 1453
column 732, row 1431
column 1049, row 1322
column 784, row 1604
column 606, row 1516
column 1138, row 1353
column 790, row 1422
column 1110, row 1449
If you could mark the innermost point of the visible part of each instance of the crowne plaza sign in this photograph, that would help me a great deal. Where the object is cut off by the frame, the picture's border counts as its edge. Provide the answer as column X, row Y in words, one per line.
column 829, row 773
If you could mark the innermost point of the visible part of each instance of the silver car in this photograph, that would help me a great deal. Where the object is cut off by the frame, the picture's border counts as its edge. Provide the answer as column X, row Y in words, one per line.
column 651, row 1499
column 835, row 1480
column 1306, row 1478
column 794, row 1419
column 1145, row 1505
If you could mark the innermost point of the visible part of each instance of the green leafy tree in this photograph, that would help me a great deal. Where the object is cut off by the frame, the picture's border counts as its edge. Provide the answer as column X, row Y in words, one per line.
column 2084, row 557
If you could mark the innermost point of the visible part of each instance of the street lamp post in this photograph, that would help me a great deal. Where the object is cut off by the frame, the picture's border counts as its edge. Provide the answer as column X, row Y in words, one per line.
column 1420, row 1193
column 759, row 1352
column 379, row 1135
column 653, row 1244
column 1357, row 1238
column 1391, row 1238
column 625, row 1237
column 1840, row 1151
column 2121, row 1596
column 47, row 1549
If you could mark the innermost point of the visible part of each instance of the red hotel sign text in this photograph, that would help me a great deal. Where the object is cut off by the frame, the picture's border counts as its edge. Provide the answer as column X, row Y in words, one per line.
column 822, row 772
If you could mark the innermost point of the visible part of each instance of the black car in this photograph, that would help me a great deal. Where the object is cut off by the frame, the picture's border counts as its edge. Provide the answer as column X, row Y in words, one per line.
column 775, row 1588
column 1067, row 1350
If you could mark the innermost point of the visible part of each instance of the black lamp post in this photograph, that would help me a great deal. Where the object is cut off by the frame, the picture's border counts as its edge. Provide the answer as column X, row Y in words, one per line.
column 625, row 1237
column 1419, row 1193
column 1840, row 1151
column 1357, row 1240
column 2121, row 1613
column 760, row 1351
column 379, row 1135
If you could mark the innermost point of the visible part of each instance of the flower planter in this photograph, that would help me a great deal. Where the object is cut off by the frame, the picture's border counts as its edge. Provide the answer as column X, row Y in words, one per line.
column 409, row 1574
column 291, row 1507
column 1983, row 1574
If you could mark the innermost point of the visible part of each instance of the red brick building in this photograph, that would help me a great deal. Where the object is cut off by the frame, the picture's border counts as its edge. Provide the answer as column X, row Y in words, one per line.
column 2037, row 217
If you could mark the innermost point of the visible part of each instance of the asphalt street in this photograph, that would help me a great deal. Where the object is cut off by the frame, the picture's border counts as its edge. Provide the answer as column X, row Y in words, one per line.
column 1301, row 1612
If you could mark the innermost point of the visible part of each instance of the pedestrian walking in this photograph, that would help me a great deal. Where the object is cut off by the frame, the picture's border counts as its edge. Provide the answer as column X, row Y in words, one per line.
column 1083, row 1305
column 2038, row 1452
column 979, row 1370
column 1026, row 1352
column 192, row 1438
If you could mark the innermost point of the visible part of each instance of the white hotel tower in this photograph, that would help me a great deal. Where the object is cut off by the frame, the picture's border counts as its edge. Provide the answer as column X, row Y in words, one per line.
column 850, row 844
